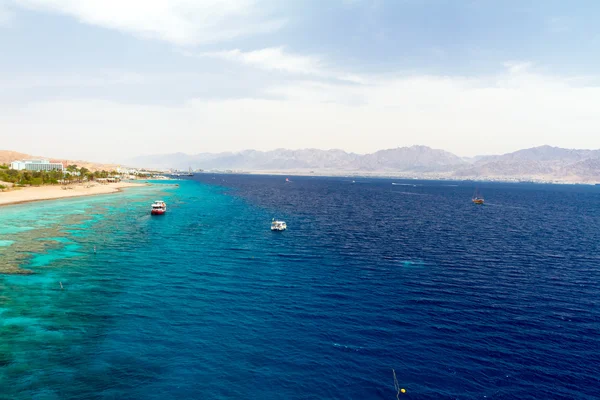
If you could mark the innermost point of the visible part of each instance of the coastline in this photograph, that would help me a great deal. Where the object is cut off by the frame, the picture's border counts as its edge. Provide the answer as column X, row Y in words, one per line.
column 56, row 192
column 544, row 180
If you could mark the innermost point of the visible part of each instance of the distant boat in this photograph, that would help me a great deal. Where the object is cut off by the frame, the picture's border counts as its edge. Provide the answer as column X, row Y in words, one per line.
column 183, row 173
column 477, row 198
column 403, row 184
column 159, row 207
column 278, row 225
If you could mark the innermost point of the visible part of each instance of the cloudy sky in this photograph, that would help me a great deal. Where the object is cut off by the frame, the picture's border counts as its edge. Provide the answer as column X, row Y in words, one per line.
column 108, row 79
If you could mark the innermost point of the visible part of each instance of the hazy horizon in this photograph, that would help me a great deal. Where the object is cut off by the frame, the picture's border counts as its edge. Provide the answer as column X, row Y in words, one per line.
column 109, row 81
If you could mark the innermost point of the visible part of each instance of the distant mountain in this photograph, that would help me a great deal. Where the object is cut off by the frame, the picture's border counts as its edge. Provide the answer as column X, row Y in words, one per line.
column 410, row 159
column 473, row 160
column 585, row 171
column 404, row 159
column 545, row 163
column 7, row 156
column 544, row 154
column 538, row 163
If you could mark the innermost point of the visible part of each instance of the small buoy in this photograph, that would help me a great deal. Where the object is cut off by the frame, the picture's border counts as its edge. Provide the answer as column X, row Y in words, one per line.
column 403, row 390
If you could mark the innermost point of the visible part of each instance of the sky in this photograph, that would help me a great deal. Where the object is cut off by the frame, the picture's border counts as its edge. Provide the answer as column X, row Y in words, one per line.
column 105, row 80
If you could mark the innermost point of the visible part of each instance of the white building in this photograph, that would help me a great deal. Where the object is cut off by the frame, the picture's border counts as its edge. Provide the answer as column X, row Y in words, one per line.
column 36, row 165
column 127, row 171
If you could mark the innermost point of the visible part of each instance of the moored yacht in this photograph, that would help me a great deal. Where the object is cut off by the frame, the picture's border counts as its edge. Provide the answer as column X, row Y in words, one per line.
column 477, row 198
column 278, row 225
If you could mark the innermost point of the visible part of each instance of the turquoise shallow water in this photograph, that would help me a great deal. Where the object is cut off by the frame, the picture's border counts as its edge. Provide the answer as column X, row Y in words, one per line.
column 42, row 327
column 206, row 302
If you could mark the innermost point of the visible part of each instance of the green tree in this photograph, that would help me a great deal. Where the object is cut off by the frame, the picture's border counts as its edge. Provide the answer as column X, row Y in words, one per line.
column 55, row 176
column 25, row 178
column 12, row 176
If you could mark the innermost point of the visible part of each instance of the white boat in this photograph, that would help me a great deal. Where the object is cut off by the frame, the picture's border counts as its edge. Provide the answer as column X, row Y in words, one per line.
column 183, row 173
column 278, row 225
column 159, row 207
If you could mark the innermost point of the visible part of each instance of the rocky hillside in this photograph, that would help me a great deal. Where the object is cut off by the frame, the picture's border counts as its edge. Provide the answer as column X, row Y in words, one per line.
column 404, row 159
column 545, row 163
column 7, row 156
column 411, row 159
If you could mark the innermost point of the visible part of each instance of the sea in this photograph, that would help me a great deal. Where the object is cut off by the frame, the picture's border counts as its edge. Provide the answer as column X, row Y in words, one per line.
column 375, row 281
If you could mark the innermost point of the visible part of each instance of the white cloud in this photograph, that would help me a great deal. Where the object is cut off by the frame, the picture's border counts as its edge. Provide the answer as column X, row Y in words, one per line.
column 465, row 115
column 281, row 60
column 515, row 67
column 272, row 58
column 182, row 22
column 6, row 15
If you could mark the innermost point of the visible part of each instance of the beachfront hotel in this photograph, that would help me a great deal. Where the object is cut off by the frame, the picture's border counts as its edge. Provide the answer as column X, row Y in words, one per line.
column 36, row 165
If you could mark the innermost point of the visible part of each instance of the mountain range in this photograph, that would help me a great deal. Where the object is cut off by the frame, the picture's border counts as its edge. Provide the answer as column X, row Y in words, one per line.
column 545, row 163
column 538, row 164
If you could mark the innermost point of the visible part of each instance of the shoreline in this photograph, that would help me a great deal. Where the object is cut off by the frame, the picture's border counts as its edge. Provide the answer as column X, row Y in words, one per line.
column 55, row 192
column 382, row 175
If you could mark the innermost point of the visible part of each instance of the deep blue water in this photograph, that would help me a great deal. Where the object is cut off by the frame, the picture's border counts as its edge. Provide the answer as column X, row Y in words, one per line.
column 463, row 301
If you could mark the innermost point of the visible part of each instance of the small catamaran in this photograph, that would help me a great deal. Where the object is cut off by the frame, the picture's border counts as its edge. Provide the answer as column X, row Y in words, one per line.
column 477, row 198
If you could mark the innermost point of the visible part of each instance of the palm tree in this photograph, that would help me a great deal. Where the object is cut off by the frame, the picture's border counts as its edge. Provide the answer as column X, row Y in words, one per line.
column 83, row 172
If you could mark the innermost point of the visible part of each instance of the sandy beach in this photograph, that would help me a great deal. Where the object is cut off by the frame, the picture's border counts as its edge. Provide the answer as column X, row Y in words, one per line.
column 29, row 194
